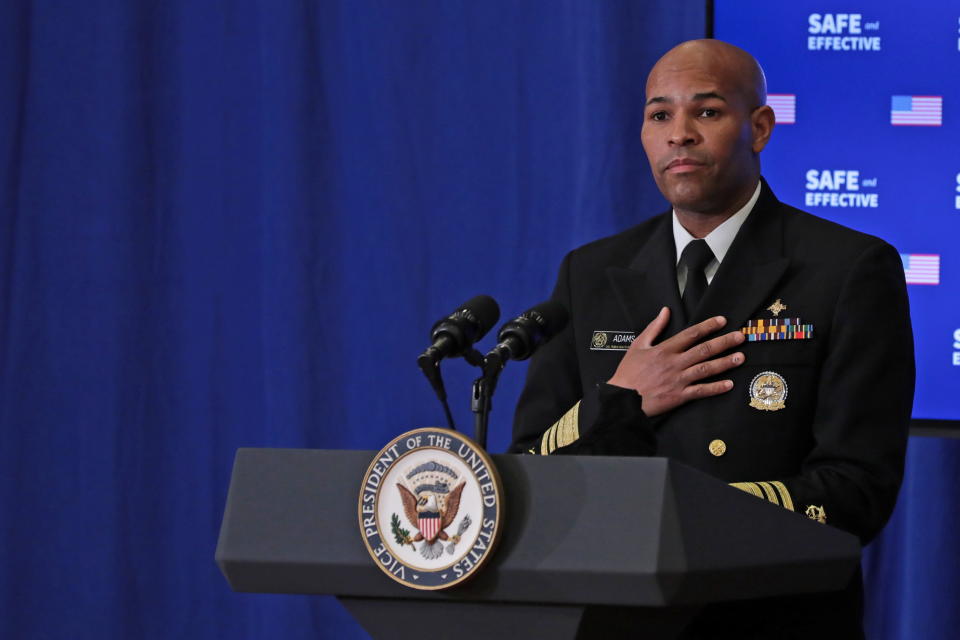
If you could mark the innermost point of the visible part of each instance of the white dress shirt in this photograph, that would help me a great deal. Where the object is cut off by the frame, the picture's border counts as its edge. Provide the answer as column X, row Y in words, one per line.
column 719, row 240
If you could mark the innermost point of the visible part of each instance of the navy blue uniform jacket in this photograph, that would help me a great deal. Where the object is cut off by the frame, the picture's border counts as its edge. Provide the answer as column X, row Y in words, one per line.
column 839, row 442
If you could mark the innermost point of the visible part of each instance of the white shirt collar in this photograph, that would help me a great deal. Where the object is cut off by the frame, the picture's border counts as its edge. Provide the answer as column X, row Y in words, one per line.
column 719, row 240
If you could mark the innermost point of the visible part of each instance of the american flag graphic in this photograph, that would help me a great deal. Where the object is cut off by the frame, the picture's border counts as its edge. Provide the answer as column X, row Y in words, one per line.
column 429, row 524
column 784, row 107
column 921, row 268
column 920, row 111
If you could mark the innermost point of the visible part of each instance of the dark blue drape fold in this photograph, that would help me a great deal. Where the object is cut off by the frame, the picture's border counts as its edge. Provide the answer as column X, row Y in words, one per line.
column 231, row 224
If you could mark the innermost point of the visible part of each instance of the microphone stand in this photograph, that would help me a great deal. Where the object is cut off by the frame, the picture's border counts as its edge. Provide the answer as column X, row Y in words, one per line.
column 481, row 398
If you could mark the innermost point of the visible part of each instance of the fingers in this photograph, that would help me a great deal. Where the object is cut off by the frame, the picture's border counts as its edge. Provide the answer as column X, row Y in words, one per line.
column 696, row 333
column 652, row 330
column 711, row 368
column 697, row 391
column 709, row 349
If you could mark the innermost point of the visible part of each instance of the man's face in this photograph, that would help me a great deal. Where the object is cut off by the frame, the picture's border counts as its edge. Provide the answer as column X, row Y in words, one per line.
column 699, row 136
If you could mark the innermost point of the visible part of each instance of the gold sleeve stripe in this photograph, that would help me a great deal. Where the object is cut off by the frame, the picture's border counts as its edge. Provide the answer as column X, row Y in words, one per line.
column 749, row 487
column 569, row 426
column 768, row 490
column 563, row 432
column 545, row 441
column 785, row 498
column 765, row 490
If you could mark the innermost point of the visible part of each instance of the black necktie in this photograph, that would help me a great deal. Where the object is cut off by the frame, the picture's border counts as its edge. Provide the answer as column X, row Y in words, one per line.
column 696, row 256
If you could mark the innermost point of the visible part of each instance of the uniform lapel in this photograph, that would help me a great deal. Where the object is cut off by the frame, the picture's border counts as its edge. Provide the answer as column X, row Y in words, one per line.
column 650, row 281
column 752, row 267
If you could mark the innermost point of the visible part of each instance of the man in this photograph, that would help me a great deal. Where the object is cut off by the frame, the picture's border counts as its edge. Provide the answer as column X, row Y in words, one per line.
column 774, row 348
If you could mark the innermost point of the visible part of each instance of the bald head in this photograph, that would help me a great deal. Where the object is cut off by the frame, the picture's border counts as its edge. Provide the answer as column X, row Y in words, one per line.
column 705, row 124
column 730, row 66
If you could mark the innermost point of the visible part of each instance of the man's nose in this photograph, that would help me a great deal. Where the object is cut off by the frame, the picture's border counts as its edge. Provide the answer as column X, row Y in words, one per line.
column 684, row 132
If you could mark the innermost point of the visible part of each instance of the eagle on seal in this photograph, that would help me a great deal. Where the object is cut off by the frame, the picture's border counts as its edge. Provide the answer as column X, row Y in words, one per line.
column 430, row 516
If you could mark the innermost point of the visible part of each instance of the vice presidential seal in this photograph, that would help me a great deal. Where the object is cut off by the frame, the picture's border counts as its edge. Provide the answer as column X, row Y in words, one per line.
column 430, row 507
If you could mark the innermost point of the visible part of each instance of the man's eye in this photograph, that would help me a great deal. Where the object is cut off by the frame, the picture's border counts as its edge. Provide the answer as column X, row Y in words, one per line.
column 659, row 116
column 709, row 113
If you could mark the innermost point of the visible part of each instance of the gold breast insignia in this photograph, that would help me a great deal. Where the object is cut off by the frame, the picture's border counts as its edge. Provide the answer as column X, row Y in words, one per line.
column 777, row 307
column 768, row 391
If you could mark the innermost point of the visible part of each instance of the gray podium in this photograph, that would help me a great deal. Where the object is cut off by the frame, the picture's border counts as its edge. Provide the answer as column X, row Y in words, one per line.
column 591, row 547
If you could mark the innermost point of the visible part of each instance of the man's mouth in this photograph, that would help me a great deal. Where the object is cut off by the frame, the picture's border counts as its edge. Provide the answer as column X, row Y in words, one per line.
column 683, row 165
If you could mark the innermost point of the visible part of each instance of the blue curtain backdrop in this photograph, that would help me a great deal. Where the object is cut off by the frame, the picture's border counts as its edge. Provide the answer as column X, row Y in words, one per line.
column 230, row 224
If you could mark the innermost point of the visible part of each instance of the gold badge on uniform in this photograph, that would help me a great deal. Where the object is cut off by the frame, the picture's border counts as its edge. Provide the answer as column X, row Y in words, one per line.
column 777, row 307
column 768, row 391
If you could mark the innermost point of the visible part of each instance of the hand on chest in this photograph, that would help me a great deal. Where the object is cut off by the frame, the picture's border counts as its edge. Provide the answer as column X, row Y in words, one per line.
column 782, row 349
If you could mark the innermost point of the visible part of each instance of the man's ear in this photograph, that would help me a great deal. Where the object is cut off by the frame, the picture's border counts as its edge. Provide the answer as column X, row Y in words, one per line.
column 762, row 121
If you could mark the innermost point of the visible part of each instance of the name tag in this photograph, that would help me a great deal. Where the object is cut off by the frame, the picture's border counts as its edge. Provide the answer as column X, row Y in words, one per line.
column 611, row 340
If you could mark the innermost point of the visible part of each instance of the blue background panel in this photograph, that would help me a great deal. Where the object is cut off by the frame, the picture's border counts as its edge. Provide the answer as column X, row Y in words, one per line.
column 843, row 109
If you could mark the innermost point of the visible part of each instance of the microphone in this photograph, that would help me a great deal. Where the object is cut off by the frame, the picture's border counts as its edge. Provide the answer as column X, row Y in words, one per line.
column 517, row 340
column 454, row 335
column 522, row 336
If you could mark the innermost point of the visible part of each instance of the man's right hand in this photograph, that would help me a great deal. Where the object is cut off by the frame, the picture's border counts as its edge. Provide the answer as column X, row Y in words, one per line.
column 667, row 375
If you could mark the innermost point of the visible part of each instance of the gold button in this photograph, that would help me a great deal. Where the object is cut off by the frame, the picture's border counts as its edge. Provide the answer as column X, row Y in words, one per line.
column 718, row 447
